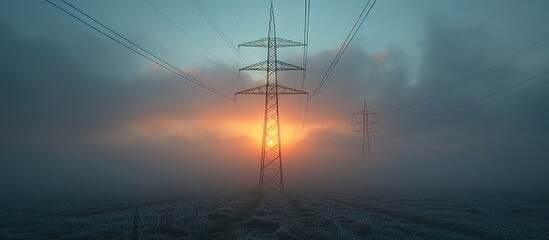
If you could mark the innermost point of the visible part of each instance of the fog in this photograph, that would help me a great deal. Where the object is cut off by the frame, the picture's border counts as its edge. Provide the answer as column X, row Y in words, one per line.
column 91, row 119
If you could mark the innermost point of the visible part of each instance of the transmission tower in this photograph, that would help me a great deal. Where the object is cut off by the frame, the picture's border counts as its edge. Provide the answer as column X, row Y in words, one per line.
column 271, row 158
column 367, row 124
column 325, row 143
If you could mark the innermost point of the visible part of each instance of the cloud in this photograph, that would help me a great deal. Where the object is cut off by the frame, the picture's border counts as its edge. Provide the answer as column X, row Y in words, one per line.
column 463, row 148
column 68, row 121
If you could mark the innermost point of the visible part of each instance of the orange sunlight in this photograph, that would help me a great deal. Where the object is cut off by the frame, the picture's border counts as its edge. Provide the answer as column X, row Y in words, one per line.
column 156, row 127
column 231, row 128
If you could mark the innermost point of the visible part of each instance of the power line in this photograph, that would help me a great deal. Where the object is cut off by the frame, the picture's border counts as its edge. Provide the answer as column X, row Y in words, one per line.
column 519, row 53
column 524, row 90
column 217, row 29
column 190, row 37
column 536, row 76
column 317, row 13
column 242, row 117
column 146, row 54
column 302, row 127
column 305, row 56
column 536, row 86
column 235, row 19
column 361, row 18
column 306, row 39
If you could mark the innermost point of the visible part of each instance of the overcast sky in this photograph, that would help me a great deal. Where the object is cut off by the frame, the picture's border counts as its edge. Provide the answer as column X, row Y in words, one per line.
column 81, row 114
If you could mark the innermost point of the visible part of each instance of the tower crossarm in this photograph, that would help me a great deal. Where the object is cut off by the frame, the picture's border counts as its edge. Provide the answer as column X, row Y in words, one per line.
column 365, row 113
column 262, row 66
column 283, row 90
column 374, row 130
column 262, row 90
column 264, row 42
column 255, row 90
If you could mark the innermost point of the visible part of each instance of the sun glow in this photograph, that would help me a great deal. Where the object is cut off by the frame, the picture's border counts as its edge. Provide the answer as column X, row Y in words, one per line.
column 168, row 127
column 289, row 133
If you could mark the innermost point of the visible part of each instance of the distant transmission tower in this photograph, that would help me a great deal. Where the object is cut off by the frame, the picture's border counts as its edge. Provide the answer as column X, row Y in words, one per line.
column 325, row 143
column 271, row 159
column 367, row 124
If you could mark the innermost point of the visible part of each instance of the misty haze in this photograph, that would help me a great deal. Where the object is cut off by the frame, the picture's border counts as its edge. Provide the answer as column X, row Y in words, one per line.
column 322, row 119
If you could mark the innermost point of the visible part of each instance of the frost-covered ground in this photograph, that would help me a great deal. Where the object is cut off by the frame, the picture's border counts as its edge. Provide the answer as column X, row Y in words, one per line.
column 282, row 216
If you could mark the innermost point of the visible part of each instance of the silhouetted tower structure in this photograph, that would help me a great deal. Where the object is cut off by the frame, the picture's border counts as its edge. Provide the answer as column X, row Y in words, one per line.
column 325, row 143
column 271, row 157
column 367, row 124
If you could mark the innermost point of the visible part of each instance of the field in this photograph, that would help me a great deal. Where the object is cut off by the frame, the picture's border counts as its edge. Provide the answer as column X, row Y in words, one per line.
column 282, row 216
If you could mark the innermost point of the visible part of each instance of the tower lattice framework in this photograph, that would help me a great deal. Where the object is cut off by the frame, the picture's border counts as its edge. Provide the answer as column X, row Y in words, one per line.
column 367, row 123
column 271, row 156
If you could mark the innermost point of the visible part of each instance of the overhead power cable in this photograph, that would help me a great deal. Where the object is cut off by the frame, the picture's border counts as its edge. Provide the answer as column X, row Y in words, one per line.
column 306, row 40
column 530, row 87
column 517, row 84
column 361, row 18
column 241, row 114
column 190, row 37
column 217, row 29
column 136, row 48
column 537, row 86
column 517, row 54
column 317, row 13
column 236, row 19
column 306, row 23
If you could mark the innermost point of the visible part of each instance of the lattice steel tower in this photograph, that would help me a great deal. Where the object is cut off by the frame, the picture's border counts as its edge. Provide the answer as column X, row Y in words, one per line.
column 325, row 143
column 368, row 123
column 271, row 157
